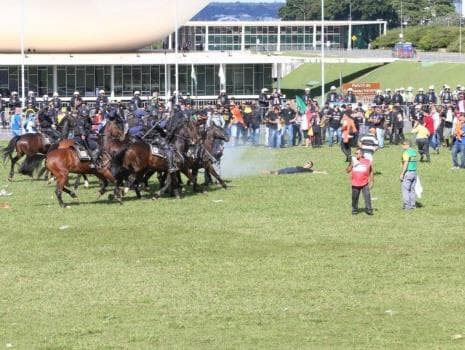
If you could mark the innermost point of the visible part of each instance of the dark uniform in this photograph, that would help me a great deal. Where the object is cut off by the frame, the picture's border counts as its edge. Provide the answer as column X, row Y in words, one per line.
column 263, row 103
column 431, row 97
column 83, row 134
column 31, row 101
column 56, row 104
column 101, row 102
column 65, row 125
column 421, row 98
column 378, row 100
column 2, row 112
column 332, row 97
column 136, row 101
column 76, row 101
column 47, row 123
column 14, row 101
column 397, row 98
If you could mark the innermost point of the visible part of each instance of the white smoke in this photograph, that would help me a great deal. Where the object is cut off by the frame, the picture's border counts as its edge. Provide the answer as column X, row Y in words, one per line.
column 245, row 160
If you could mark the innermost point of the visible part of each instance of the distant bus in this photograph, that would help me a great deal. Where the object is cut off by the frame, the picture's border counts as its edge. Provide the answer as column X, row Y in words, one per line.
column 403, row 50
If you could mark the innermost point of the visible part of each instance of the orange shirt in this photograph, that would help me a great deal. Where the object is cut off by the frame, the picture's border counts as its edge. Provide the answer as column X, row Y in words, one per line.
column 348, row 127
column 237, row 115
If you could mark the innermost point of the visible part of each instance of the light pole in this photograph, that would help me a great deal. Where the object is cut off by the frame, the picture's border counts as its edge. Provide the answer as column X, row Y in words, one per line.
column 349, row 46
column 23, row 94
column 322, row 52
column 460, row 27
column 176, row 43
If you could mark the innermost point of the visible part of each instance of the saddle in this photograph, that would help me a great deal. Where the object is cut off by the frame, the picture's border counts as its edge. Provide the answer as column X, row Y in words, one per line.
column 80, row 150
column 157, row 152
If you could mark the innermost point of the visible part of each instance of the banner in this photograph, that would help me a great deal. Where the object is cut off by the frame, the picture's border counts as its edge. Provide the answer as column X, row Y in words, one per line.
column 364, row 92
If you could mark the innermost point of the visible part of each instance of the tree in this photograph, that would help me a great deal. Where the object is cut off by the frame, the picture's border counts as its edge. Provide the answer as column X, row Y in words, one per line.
column 413, row 11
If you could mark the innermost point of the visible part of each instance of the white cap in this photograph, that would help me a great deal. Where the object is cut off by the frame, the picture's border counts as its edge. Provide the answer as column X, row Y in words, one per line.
column 431, row 87
column 101, row 92
column 420, row 89
column 223, row 91
column 30, row 93
column 55, row 94
column 14, row 93
column 446, row 87
column 401, row 89
column 333, row 87
column 410, row 89
column 76, row 92
column 45, row 97
column 264, row 90
column 307, row 89
column 136, row 92
column 388, row 89
column 350, row 89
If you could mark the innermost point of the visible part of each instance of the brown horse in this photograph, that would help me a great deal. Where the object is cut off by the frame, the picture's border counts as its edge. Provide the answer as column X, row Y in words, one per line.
column 27, row 144
column 64, row 160
column 207, row 157
column 138, row 160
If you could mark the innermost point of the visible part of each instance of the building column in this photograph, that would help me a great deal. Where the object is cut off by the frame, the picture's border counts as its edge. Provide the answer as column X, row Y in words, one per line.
column 243, row 38
column 206, row 38
column 385, row 28
column 278, row 48
column 112, row 82
column 314, row 36
column 167, row 82
column 55, row 79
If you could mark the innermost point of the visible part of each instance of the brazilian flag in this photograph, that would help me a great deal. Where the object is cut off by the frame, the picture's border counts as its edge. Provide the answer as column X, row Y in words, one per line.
column 300, row 104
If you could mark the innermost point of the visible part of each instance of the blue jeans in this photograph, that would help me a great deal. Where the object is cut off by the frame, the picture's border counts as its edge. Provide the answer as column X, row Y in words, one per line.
column 16, row 132
column 434, row 140
column 458, row 148
column 255, row 135
column 380, row 137
column 290, row 135
column 330, row 135
column 272, row 137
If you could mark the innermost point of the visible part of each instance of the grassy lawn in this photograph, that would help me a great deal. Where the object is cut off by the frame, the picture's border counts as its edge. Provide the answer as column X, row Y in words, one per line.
column 417, row 74
column 275, row 262
column 307, row 72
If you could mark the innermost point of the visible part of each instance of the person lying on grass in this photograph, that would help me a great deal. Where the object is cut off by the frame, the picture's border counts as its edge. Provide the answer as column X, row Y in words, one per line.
column 307, row 168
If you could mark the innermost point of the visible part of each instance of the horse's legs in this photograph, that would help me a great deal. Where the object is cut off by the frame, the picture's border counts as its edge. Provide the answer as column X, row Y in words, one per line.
column 209, row 166
column 86, row 181
column 77, row 182
column 70, row 192
column 61, row 181
column 13, row 163
column 147, row 178
column 164, row 188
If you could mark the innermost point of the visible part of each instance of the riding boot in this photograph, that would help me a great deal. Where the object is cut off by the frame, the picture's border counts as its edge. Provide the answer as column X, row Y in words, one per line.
column 171, row 166
column 95, row 155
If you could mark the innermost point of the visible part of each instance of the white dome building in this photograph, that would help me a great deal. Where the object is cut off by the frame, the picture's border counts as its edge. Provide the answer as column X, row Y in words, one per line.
column 91, row 25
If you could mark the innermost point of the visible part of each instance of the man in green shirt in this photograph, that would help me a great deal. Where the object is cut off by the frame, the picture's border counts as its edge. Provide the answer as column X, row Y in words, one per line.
column 408, row 176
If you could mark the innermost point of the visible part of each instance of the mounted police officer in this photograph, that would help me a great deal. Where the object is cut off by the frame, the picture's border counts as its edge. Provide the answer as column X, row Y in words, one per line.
column 101, row 102
column 378, row 99
column 431, row 96
column 47, row 123
column 332, row 96
column 31, row 99
column 160, row 139
column 397, row 98
column 350, row 97
column 83, row 134
column 263, row 102
column 446, row 96
column 136, row 101
column 387, row 97
column 421, row 97
column 76, row 101
column 223, row 99
column 65, row 123
column 189, row 100
column 56, row 103
column 135, row 122
column 14, row 101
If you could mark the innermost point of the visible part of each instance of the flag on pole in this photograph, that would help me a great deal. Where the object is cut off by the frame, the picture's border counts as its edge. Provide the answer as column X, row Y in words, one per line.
column 301, row 104
column 193, row 75
column 222, row 77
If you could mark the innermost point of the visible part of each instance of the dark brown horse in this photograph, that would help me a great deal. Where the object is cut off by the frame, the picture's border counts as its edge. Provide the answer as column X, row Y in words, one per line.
column 27, row 144
column 208, row 157
column 64, row 160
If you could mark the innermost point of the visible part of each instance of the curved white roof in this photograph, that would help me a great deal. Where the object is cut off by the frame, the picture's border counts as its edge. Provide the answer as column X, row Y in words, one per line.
column 91, row 25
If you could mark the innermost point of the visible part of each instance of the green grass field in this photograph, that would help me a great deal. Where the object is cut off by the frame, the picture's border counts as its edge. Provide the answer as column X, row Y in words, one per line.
column 274, row 262
column 417, row 74
column 307, row 72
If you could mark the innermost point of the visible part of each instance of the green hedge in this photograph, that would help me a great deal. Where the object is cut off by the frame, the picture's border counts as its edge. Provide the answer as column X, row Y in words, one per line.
column 428, row 38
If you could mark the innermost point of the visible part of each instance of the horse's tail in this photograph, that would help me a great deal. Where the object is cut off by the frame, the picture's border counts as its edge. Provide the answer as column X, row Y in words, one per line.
column 31, row 164
column 8, row 150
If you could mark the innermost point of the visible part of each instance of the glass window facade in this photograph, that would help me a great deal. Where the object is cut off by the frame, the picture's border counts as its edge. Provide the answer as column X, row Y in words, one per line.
column 224, row 38
column 261, row 38
column 241, row 79
column 37, row 78
column 295, row 38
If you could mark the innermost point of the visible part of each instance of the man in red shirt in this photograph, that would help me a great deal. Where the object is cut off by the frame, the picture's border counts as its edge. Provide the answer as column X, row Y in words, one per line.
column 362, row 180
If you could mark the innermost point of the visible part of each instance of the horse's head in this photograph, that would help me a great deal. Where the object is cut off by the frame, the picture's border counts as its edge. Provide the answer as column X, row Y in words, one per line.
column 113, row 130
column 217, row 132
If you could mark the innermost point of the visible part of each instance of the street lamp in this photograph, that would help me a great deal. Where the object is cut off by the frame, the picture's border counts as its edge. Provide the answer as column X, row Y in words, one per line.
column 322, row 52
column 349, row 46
column 23, row 87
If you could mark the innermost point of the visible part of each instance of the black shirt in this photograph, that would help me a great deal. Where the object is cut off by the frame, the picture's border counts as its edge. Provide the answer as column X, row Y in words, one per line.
column 294, row 170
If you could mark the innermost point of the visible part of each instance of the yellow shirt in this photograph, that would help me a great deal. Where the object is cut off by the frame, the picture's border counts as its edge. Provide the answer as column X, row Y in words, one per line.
column 421, row 131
